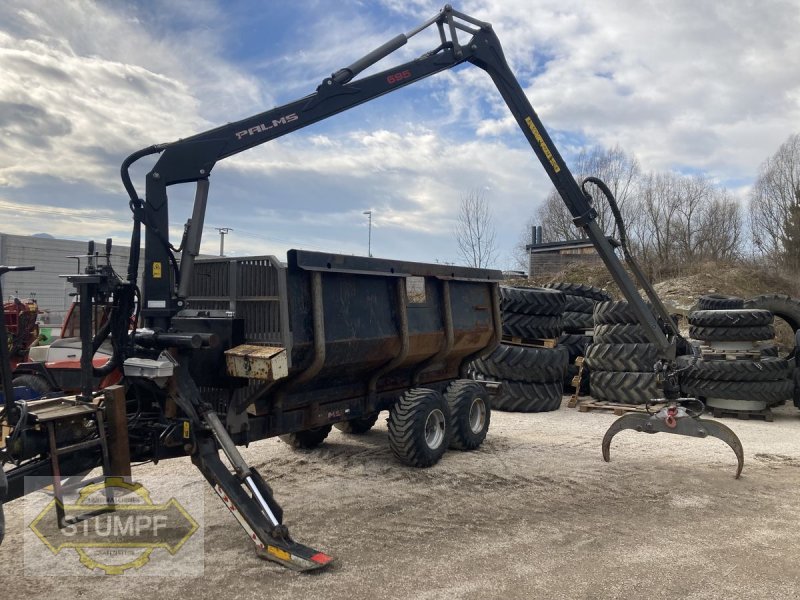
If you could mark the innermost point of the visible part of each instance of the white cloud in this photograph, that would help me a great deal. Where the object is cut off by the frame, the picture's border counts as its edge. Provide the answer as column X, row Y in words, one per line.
column 682, row 85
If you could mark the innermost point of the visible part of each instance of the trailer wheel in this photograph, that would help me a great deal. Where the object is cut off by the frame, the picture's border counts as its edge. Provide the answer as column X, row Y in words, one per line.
column 308, row 439
column 3, row 492
column 357, row 426
column 470, row 413
column 419, row 427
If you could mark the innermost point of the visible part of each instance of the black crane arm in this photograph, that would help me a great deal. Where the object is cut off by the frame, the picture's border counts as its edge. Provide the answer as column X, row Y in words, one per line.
column 192, row 159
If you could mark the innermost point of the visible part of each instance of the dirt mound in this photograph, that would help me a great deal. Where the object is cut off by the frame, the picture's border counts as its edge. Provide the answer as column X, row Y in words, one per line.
column 681, row 291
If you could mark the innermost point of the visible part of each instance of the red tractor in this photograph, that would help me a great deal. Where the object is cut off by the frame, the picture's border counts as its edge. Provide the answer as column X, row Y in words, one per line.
column 23, row 332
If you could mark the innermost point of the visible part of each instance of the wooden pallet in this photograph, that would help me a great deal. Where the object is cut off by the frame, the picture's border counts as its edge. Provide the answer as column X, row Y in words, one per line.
column 617, row 408
column 765, row 414
column 538, row 342
column 739, row 355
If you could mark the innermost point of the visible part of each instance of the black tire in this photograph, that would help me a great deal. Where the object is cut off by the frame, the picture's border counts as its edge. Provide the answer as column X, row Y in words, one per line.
column 531, row 301
column 531, row 327
column 524, row 363
column 620, row 333
column 420, row 411
column 614, row 312
column 766, row 369
column 744, row 317
column 770, row 351
column 780, row 305
column 626, row 388
column 719, row 302
column 470, row 414
column 576, row 321
column 579, row 304
column 581, row 289
column 520, row 396
column 732, row 334
column 3, row 495
column 622, row 357
column 308, row 439
column 796, row 394
column 575, row 343
column 357, row 426
column 37, row 383
column 771, row 392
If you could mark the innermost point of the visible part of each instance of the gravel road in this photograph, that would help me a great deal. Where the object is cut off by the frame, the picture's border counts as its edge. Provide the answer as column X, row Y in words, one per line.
column 535, row 513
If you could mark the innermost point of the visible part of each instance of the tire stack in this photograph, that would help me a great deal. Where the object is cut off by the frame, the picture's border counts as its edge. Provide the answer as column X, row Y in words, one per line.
column 751, row 382
column 621, row 357
column 531, row 376
column 578, row 326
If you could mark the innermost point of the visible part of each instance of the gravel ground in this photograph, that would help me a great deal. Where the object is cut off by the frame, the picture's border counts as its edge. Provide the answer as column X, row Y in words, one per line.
column 535, row 513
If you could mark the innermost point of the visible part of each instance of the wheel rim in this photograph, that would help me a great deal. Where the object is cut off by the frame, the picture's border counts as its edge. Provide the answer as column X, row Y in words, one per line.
column 434, row 429
column 477, row 415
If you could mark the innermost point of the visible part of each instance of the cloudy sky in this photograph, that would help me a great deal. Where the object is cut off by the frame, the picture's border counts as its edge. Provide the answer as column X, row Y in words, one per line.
column 686, row 85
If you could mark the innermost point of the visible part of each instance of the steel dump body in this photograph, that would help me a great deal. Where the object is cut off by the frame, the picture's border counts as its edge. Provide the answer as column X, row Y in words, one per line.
column 357, row 331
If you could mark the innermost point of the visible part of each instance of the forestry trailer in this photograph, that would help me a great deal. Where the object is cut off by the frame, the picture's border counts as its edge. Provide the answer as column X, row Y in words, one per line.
column 322, row 340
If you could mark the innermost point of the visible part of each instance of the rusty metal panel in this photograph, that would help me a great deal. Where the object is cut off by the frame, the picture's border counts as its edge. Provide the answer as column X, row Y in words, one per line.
column 266, row 363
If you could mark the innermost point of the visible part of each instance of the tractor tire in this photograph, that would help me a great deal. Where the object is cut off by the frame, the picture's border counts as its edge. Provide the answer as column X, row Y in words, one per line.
column 780, row 305
column 615, row 312
column 627, row 388
column 622, row 357
column 531, row 327
column 770, row 351
column 796, row 394
column 419, row 427
column 743, row 317
column 575, row 343
column 308, row 439
column 574, row 322
column 357, row 426
column 35, row 382
column 534, row 301
column 3, row 493
column 579, row 304
column 766, row 369
column 470, row 413
column 581, row 289
column 524, row 363
column 732, row 334
column 771, row 392
column 521, row 396
column 620, row 333
column 719, row 302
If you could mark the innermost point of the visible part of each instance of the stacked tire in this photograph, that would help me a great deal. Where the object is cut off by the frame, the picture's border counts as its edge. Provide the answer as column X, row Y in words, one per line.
column 578, row 325
column 749, row 383
column 621, row 358
column 531, row 376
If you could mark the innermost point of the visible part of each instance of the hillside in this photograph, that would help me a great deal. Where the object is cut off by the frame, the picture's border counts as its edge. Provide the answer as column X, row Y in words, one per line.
column 681, row 292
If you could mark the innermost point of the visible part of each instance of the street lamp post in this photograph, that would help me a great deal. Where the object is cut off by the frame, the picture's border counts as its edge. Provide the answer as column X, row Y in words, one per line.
column 369, row 234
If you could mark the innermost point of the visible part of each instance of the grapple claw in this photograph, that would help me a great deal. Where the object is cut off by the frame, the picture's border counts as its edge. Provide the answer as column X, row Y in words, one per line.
column 674, row 419
column 726, row 434
column 635, row 421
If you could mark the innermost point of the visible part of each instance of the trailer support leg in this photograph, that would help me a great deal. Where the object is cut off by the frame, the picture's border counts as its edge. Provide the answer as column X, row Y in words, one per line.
column 250, row 501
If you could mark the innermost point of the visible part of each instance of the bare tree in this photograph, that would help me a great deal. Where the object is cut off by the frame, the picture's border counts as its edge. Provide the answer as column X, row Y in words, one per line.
column 682, row 219
column 774, row 201
column 616, row 168
column 474, row 231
